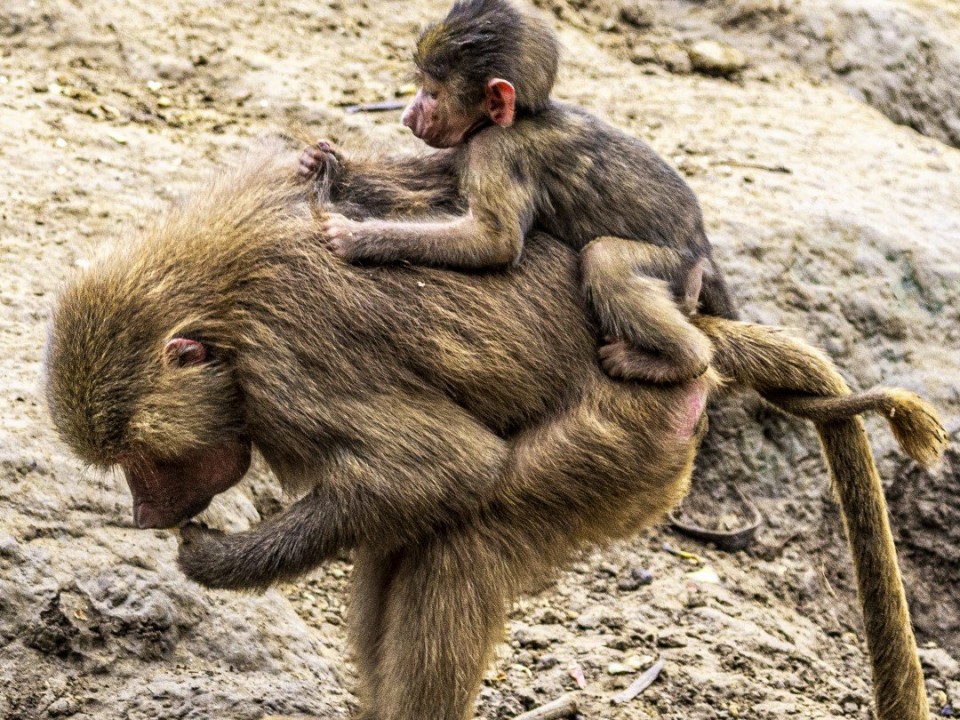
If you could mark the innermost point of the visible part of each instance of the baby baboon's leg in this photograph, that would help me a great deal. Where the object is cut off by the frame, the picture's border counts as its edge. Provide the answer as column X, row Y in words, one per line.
column 634, row 288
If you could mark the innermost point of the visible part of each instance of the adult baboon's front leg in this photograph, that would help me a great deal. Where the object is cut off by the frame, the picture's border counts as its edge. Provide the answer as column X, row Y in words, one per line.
column 388, row 487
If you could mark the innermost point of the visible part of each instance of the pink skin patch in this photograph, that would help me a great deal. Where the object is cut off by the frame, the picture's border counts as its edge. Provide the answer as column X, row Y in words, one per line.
column 431, row 126
column 181, row 352
column 692, row 407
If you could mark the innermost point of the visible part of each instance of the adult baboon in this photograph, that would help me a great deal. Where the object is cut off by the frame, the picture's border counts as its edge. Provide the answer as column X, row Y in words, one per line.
column 453, row 430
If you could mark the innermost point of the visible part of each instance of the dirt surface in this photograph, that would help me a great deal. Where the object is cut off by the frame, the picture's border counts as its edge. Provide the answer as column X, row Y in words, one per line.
column 826, row 214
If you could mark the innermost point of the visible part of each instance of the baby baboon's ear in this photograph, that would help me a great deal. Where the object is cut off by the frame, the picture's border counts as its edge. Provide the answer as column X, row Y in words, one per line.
column 500, row 102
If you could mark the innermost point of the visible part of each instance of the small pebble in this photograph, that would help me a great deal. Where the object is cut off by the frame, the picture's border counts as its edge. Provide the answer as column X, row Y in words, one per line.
column 63, row 707
column 546, row 662
column 8, row 546
column 549, row 617
column 608, row 569
column 642, row 54
column 638, row 662
column 672, row 639
column 674, row 58
column 705, row 575
column 637, row 578
column 713, row 58
column 638, row 13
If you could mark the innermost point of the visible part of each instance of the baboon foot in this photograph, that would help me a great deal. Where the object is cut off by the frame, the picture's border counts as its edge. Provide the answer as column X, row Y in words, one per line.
column 623, row 362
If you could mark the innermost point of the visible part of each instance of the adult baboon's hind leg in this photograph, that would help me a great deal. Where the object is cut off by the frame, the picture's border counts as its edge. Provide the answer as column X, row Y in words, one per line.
column 445, row 610
column 370, row 581
column 617, row 459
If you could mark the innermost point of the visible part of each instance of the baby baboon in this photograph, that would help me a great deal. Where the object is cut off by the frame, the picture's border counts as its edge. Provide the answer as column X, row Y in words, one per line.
column 452, row 430
column 526, row 162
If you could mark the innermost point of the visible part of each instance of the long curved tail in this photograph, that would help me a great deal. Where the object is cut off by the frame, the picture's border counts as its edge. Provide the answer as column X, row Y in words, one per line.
column 801, row 381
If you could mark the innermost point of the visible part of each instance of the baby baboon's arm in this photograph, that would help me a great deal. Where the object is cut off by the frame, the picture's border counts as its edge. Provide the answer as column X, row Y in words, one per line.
column 501, row 210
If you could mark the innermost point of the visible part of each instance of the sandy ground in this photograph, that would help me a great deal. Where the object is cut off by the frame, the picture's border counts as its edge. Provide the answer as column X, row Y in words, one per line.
column 826, row 215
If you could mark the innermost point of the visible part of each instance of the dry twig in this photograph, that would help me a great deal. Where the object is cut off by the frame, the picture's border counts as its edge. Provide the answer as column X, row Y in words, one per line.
column 383, row 106
column 640, row 684
column 562, row 707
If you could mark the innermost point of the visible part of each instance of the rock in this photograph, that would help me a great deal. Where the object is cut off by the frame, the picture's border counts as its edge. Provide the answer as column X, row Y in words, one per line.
column 175, row 69
column 538, row 637
column 610, row 25
column 639, row 662
column 9, row 547
column 63, row 707
column 608, row 569
column 96, row 620
column 600, row 616
column 638, row 13
column 840, row 60
column 672, row 639
column 232, row 511
column 546, row 662
column 548, row 617
column 674, row 58
column 713, row 58
column 704, row 575
column 642, row 54
column 938, row 661
column 588, row 621
column 636, row 578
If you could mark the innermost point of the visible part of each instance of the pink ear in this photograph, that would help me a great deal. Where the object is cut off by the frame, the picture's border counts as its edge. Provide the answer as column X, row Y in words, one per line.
column 181, row 352
column 500, row 102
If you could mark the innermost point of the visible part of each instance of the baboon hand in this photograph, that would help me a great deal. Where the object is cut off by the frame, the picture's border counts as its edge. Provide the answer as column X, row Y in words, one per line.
column 202, row 553
column 342, row 236
column 318, row 160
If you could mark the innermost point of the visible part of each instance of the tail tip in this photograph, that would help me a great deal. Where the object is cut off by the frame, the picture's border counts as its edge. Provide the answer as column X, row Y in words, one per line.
column 917, row 428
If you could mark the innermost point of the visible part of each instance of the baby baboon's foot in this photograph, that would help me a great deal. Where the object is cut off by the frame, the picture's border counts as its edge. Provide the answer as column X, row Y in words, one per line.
column 623, row 362
column 689, row 299
column 318, row 160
